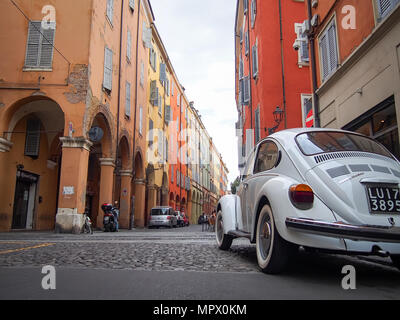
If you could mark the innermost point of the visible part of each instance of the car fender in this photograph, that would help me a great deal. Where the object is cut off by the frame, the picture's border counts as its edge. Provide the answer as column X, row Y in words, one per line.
column 229, row 205
column 275, row 192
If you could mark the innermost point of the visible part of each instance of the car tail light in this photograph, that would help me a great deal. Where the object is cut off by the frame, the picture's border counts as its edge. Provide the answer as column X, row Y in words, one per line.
column 302, row 196
column 168, row 217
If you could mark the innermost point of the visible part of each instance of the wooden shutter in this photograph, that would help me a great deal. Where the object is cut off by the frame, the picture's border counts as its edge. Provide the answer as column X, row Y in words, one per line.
column 110, row 10
column 154, row 93
column 246, row 43
column 255, row 61
column 128, row 100
column 32, row 139
column 132, row 4
column 246, row 90
column 128, row 45
column 108, row 57
column 323, row 51
column 33, row 45
column 150, row 132
column 47, row 45
column 163, row 72
column 333, row 59
column 168, row 114
column 384, row 7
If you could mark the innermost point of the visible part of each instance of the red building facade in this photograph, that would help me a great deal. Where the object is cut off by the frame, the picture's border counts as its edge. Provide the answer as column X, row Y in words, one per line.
column 272, row 68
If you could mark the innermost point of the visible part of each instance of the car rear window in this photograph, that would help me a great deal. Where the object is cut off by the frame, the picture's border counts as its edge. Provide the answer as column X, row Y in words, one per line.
column 312, row 143
column 160, row 212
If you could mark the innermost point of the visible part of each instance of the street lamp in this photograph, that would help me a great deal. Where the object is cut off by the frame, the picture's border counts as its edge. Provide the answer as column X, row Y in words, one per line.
column 278, row 117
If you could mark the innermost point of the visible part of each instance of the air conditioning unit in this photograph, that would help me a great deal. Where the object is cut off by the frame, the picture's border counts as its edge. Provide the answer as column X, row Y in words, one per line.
column 315, row 20
column 306, row 27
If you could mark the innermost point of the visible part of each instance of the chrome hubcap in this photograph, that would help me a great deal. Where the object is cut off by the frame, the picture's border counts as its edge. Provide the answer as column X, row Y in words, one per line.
column 264, row 237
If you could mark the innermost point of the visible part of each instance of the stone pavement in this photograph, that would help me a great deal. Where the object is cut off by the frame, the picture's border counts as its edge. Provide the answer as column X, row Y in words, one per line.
column 185, row 248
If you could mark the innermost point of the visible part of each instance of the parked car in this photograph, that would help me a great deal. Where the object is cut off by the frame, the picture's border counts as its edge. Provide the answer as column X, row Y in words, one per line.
column 162, row 217
column 180, row 219
column 324, row 189
column 185, row 219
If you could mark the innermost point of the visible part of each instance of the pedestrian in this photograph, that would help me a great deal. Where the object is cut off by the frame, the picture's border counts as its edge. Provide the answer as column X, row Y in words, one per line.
column 204, row 222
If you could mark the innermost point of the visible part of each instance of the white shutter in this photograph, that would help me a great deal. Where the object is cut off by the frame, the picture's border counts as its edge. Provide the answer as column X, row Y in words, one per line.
column 128, row 100
column 46, row 52
column 163, row 72
column 108, row 57
column 39, row 51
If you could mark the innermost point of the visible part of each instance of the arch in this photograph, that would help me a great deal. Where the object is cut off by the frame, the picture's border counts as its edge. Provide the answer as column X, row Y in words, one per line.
column 124, row 155
column 107, row 142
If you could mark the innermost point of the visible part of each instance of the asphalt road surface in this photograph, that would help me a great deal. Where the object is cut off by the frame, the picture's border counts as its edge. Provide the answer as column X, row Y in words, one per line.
column 175, row 264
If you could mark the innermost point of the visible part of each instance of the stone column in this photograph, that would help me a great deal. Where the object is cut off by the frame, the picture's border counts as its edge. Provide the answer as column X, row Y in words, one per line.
column 140, row 198
column 73, row 180
column 151, row 201
column 107, row 166
column 125, row 201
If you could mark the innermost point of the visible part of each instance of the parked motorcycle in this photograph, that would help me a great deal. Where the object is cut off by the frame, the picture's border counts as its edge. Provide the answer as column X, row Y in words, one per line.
column 110, row 219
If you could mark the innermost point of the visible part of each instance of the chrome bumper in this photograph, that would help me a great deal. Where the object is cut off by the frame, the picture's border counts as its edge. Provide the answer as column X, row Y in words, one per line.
column 346, row 231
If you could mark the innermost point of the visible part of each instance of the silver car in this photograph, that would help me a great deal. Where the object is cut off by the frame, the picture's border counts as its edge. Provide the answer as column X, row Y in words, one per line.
column 162, row 217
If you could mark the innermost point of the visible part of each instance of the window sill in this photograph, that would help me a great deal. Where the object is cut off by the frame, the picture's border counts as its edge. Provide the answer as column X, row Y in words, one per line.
column 29, row 69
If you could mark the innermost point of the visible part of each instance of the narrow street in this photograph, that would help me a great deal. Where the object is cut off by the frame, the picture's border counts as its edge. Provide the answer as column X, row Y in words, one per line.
column 175, row 264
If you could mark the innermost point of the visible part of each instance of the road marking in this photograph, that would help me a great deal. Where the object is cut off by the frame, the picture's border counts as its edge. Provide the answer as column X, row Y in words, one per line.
column 27, row 248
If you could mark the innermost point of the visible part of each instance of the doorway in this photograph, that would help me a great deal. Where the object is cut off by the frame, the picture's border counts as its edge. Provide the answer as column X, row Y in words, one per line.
column 24, row 200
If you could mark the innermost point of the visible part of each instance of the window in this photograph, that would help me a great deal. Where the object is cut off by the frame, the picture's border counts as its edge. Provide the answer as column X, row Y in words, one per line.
column 267, row 157
column 246, row 43
column 141, row 120
column 253, row 12
column 150, row 133
column 328, row 51
column 132, row 5
column 255, row 60
column 385, row 7
column 246, row 90
column 154, row 93
column 108, row 69
column 32, row 139
column 129, row 45
column 257, row 120
column 380, row 123
column 307, row 110
column 153, row 59
column 110, row 10
column 160, row 102
column 128, row 100
column 39, row 49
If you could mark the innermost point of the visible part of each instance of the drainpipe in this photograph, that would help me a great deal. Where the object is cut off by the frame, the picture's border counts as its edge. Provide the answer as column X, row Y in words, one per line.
column 283, row 63
column 119, row 87
column 250, row 75
column 131, row 218
column 317, row 123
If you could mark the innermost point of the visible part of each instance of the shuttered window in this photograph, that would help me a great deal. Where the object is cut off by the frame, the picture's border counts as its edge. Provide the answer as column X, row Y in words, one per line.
column 32, row 139
column 385, row 7
column 246, row 43
column 255, row 60
column 132, row 5
column 253, row 12
column 128, row 45
column 108, row 69
column 328, row 51
column 154, row 93
column 39, row 49
column 110, row 10
column 168, row 114
column 150, row 132
column 141, row 120
column 246, row 90
column 128, row 100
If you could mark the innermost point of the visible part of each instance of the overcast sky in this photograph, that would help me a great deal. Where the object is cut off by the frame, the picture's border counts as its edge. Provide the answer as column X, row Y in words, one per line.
column 198, row 36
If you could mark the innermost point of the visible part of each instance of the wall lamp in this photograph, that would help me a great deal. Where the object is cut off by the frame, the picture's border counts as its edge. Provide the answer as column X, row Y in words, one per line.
column 278, row 117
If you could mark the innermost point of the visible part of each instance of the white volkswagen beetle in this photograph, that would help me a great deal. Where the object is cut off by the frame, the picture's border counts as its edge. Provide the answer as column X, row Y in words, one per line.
column 324, row 189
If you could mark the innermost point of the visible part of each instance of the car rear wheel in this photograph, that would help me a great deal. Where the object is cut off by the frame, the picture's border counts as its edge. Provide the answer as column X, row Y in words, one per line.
column 224, row 241
column 396, row 260
column 273, row 252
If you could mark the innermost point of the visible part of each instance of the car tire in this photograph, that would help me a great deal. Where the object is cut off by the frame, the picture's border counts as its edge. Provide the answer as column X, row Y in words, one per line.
column 224, row 241
column 396, row 260
column 273, row 252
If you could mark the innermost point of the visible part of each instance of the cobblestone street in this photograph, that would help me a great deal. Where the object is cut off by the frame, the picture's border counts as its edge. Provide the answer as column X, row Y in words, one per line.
column 182, row 263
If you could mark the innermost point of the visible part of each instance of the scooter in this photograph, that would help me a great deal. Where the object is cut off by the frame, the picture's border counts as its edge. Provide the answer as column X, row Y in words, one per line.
column 110, row 221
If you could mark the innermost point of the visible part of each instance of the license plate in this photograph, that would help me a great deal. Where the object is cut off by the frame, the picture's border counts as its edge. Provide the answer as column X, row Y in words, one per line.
column 383, row 199
column 106, row 219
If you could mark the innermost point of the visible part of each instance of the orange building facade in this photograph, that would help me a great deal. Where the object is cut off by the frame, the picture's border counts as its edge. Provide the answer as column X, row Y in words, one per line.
column 270, row 74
